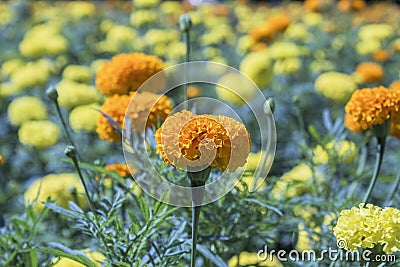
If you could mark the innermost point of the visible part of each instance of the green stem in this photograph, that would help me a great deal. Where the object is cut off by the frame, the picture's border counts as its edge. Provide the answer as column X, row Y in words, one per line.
column 185, row 25
column 195, row 230
column 394, row 189
column 379, row 156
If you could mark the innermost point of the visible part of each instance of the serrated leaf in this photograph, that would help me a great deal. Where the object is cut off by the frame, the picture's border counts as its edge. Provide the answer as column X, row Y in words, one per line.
column 60, row 250
column 54, row 207
column 255, row 201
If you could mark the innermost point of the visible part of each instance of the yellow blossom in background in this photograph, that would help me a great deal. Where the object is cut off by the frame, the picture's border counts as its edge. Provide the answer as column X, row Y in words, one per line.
column 369, row 72
column 244, row 44
column 8, row 89
column 378, row 31
column 293, row 183
column 60, row 188
column 5, row 13
column 145, row 3
column 32, row 74
column 171, row 7
column 313, row 19
column 33, row 46
column 280, row 50
column 395, row 44
column 143, row 17
column 298, row 32
column 344, row 151
column 175, row 50
column 251, row 259
column 1, row 160
column 369, row 226
column 10, row 66
column 371, row 106
column 77, row 73
column 126, row 72
column 287, row 65
column 80, row 9
column 395, row 85
column 26, row 108
column 335, row 86
column 257, row 66
column 94, row 256
column 40, row 134
column 72, row 94
column 203, row 135
column 84, row 118
column 305, row 239
column 367, row 47
column 242, row 94
column 120, row 38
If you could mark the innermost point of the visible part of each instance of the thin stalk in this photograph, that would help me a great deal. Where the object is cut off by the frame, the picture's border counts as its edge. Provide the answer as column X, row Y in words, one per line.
column 185, row 24
column 379, row 156
column 360, row 169
column 394, row 189
column 195, row 230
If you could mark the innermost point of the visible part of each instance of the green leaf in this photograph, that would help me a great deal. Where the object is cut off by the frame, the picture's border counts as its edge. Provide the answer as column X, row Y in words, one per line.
column 209, row 255
column 54, row 207
column 60, row 250
column 314, row 133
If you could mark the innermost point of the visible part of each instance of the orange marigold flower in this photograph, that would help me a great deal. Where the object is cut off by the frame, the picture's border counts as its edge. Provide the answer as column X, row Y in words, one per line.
column 279, row 22
column 395, row 125
column 1, row 160
column 395, row 85
column 381, row 55
column 121, row 168
column 126, row 72
column 369, row 72
column 189, row 140
column 117, row 105
column 371, row 106
column 348, row 5
column 314, row 5
column 274, row 25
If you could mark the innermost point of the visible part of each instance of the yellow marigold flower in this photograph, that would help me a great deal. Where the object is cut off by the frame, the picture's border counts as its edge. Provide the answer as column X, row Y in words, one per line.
column 10, row 66
column 245, row 183
column 368, row 46
column 60, row 188
column 26, row 108
column 33, row 46
column 395, row 44
column 72, row 94
column 32, row 74
column 335, row 86
column 369, row 226
column 1, row 160
column 298, row 32
column 251, row 259
column 41, row 134
column 143, row 17
column 344, row 151
column 369, row 72
column 395, row 85
column 293, row 183
column 239, row 97
column 395, row 125
column 84, row 118
column 257, row 66
column 121, row 168
column 371, row 106
column 126, row 72
column 287, row 65
column 313, row 19
column 280, row 50
column 80, row 9
column 222, row 142
column 94, row 256
column 378, row 31
column 116, row 106
column 145, row 3
column 77, row 73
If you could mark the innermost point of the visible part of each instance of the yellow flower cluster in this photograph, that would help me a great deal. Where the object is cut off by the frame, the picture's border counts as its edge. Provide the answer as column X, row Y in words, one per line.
column 371, row 106
column 119, row 38
column 33, row 46
column 126, row 72
column 60, row 188
column 293, row 183
column 343, row 151
column 257, row 66
column 94, row 256
column 80, row 9
column 72, row 94
column 251, row 259
column 77, row 73
column 36, row 73
column 26, row 108
column 84, row 118
column 242, row 95
column 40, row 134
column 186, row 139
column 369, row 226
column 335, row 86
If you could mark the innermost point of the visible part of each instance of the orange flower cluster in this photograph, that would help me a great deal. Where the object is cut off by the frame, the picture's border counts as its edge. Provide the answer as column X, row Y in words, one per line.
column 126, row 72
column 1, row 160
column 381, row 55
column 395, row 85
column 189, row 140
column 351, row 5
column 370, row 72
column 274, row 25
column 117, row 105
column 371, row 106
column 316, row 5
column 121, row 168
